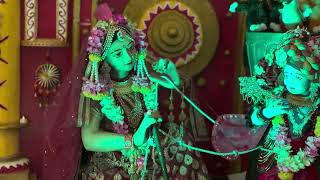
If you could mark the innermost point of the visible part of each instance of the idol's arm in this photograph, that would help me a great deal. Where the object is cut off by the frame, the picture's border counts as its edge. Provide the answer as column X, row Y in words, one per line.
column 260, row 115
column 170, row 71
column 256, row 117
column 100, row 141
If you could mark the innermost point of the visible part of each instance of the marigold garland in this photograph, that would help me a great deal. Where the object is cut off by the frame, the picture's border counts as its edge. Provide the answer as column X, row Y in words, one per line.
column 285, row 175
column 317, row 127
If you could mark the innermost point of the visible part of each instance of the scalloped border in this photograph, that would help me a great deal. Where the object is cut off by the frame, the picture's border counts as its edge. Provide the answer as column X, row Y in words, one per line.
column 13, row 166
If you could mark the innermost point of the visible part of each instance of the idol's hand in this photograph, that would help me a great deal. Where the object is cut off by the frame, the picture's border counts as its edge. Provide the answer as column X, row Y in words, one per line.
column 275, row 107
column 140, row 135
column 233, row 7
column 166, row 68
column 307, row 12
column 162, row 66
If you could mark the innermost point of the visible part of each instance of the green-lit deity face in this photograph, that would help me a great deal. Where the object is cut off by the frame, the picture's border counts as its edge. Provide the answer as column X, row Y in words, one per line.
column 119, row 55
column 296, row 82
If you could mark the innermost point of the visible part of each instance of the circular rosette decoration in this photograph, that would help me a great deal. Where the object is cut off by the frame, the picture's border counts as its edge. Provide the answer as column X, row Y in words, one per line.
column 173, row 31
column 187, row 36
column 47, row 81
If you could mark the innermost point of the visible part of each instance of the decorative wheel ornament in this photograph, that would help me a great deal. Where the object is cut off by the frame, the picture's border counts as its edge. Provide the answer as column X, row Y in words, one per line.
column 187, row 36
column 47, row 81
column 178, row 35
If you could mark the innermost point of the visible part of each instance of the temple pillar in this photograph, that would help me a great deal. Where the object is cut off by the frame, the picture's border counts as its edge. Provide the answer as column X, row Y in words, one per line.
column 13, row 165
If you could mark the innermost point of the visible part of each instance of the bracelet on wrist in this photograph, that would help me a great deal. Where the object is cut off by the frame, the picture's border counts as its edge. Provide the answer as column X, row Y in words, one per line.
column 262, row 117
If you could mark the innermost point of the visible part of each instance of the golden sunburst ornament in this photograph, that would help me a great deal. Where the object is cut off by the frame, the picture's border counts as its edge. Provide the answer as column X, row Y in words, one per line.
column 47, row 81
column 48, row 75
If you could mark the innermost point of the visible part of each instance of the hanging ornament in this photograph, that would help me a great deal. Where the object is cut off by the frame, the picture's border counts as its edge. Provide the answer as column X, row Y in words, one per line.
column 141, row 81
column 47, row 81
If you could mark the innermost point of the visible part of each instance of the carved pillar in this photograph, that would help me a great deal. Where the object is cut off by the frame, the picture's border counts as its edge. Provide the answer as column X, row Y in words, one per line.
column 13, row 165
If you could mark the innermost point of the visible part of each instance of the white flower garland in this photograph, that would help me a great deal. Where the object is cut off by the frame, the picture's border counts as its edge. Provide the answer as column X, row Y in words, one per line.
column 116, row 114
column 111, row 110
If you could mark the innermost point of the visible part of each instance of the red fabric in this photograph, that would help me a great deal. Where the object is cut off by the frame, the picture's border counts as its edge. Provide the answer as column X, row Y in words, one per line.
column 309, row 173
column 231, row 134
column 272, row 174
column 62, row 137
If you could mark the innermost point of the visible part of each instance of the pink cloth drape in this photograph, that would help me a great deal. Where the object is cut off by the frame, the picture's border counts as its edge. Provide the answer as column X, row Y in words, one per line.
column 232, row 134
column 63, row 146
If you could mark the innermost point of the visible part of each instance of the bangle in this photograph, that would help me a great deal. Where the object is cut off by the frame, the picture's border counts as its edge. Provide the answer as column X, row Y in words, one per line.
column 262, row 117
column 128, row 144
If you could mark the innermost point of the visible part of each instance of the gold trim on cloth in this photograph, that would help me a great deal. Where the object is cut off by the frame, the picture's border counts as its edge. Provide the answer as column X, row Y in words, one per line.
column 122, row 87
column 30, row 21
column 31, row 25
column 44, row 43
column 61, row 20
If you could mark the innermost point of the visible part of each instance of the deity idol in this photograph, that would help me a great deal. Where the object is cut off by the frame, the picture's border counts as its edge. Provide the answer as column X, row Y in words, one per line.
column 115, row 102
column 283, row 123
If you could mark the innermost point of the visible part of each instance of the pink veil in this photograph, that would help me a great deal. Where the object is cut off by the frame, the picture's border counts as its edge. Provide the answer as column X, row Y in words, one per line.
column 63, row 145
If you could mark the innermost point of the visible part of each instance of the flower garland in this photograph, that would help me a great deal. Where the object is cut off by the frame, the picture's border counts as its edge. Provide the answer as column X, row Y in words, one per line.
column 287, row 163
column 111, row 110
column 91, row 87
column 115, row 113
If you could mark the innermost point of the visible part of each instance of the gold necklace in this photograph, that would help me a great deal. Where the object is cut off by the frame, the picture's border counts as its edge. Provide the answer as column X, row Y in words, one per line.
column 122, row 87
column 131, row 102
column 296, row 100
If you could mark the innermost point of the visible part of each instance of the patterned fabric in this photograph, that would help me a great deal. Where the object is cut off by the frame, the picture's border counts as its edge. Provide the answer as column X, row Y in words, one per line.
column 181, row 163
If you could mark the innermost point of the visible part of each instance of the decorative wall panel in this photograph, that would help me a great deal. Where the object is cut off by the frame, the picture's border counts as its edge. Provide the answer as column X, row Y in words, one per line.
column 31, row 25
